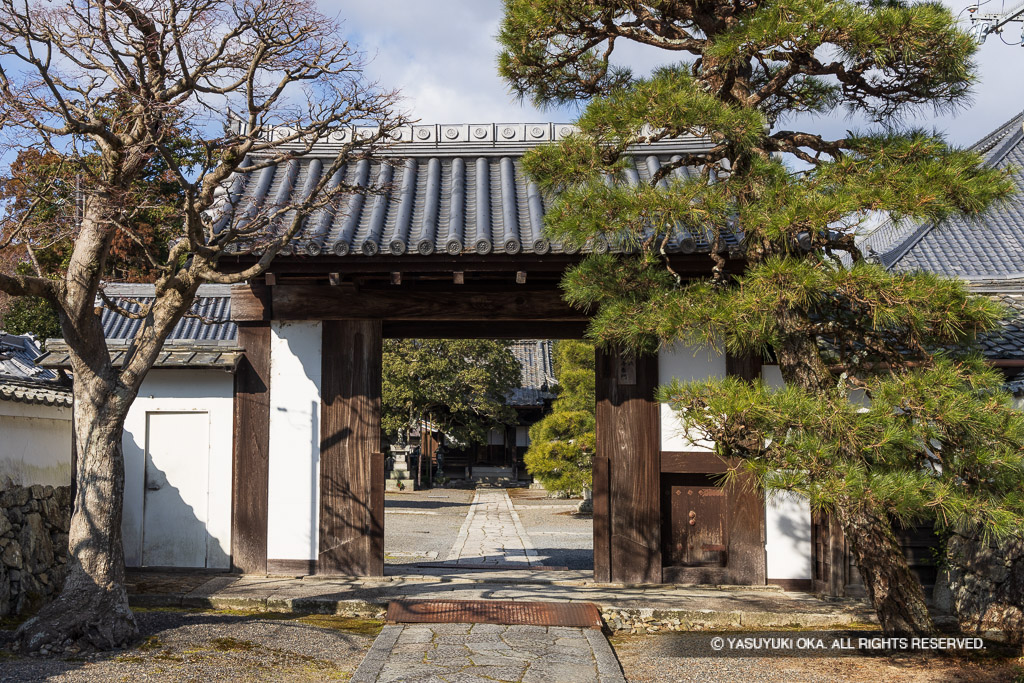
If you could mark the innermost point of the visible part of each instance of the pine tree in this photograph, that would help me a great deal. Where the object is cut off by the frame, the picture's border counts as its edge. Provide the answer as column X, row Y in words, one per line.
column 562, row 443
column 790, row 202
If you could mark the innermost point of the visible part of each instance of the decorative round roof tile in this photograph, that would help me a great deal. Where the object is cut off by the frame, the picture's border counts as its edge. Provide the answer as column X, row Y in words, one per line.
column 565, row 130
column 396, row 135
column 479, row 132
column 423, row 133
column 451, row 133
column 340, row 248
column 537, row 131
column 508, row 132
column 312, row 248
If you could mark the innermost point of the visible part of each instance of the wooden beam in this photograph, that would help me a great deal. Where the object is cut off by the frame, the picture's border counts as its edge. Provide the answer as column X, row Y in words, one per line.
column 524, row 329
column 459, row 277
column 351, row 465
column 250, row 303
column 629, row 436
column 520, row 277
column 271, row 279
column 313, row 302
column 250, row 471
column 697, row 462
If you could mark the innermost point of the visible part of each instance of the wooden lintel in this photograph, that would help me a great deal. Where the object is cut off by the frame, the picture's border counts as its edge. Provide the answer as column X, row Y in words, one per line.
column 696, row 462
column 489, row 329
column 459, row 277
column 271, row 279
column 396, row 278
column 312, row 302
column 334, row 279
column 520, row 277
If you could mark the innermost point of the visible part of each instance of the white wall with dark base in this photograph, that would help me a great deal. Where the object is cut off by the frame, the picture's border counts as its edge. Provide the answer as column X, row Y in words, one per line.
column 35, row 444
column 294, row 491
column 177, row 450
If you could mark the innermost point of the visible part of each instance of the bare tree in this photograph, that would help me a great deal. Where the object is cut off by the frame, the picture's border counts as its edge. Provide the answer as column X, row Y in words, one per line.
column 114, row 87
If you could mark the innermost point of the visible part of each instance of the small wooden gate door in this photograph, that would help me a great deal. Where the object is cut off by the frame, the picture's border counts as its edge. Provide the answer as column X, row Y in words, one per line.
column 694, row 533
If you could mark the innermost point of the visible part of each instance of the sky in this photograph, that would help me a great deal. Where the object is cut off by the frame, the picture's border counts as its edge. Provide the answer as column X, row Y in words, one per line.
column 442, row 55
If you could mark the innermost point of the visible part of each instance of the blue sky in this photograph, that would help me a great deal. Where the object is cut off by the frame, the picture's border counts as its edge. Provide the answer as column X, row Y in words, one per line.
column 442, row 53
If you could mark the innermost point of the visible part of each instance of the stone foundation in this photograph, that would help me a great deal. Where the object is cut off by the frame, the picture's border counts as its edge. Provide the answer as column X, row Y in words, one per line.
column 986, row 585
column 34, row 524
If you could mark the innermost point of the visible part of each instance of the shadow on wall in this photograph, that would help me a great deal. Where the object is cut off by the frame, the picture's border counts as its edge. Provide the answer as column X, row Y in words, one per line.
column 795, row 531
column 172, row 533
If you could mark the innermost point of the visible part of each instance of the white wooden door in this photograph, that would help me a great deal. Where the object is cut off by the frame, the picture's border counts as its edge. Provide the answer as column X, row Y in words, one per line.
column 177, row 490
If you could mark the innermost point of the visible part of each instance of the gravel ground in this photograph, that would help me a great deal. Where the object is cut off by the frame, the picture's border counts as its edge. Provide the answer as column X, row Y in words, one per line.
column 562, row 538
column 688, row 657
column 421, row 526
column 213, row 646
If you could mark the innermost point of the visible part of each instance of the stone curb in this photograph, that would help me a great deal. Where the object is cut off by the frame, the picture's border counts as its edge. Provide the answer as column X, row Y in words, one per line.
column 608, row 668
column 374, row 661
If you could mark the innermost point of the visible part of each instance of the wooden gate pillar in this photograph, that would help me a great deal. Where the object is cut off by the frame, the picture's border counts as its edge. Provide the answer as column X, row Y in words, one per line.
column 627, row 528
column 250, row 466
column 351, row 465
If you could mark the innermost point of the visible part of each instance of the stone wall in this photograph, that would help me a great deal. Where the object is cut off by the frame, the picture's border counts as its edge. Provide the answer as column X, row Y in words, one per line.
column 986, row 585
column 34, row 523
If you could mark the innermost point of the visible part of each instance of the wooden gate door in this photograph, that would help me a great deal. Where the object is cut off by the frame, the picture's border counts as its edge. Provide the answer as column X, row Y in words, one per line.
column 694, row 532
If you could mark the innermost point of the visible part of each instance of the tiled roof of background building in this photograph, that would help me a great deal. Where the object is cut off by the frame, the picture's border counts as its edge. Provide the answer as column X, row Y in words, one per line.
column 538, row 372
column 22, row 380
column 209, row 319
column 989, row 247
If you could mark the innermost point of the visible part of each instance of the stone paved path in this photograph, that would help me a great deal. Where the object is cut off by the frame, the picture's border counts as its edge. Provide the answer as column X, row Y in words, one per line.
column 489, row 652
column 492, row 534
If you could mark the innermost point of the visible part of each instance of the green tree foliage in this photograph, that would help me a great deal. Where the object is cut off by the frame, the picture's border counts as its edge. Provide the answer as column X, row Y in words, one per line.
column 31, row 315
column 458, row 384
column 778, row 209
column 562, row 444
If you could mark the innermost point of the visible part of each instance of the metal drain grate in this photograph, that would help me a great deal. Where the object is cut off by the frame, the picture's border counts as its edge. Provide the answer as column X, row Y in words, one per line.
column 579, row 614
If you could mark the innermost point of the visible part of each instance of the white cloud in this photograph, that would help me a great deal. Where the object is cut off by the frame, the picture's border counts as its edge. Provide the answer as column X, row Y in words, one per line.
column 442, row 55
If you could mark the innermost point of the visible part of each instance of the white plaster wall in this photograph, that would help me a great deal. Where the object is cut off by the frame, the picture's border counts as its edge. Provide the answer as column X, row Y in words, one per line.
column 685, row 364
column 787, row 519
column 178, row 391
column 35, row 444
column 788, row 536
column 294, row 492
column 495, row 437
column 522, row 436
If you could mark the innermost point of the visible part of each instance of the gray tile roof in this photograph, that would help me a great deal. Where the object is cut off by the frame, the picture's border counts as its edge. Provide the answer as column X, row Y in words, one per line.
column 208, row 321
column 1007, row 343
column 189, row 355
column 990, row 247
column 538, row 372
column 452, row 189
column 205, row 338
column 22, row 380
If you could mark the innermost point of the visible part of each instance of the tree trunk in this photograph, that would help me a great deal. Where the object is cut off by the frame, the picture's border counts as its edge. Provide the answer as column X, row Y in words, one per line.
column 894, row 591
column 92, row 610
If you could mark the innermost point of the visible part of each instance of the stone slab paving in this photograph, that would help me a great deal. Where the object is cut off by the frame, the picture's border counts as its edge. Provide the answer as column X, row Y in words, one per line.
column 724, row 607
column 493, row 534
column 489, row 652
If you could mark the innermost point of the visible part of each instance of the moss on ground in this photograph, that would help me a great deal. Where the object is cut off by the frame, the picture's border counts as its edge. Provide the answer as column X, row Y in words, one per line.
column 354, row 625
